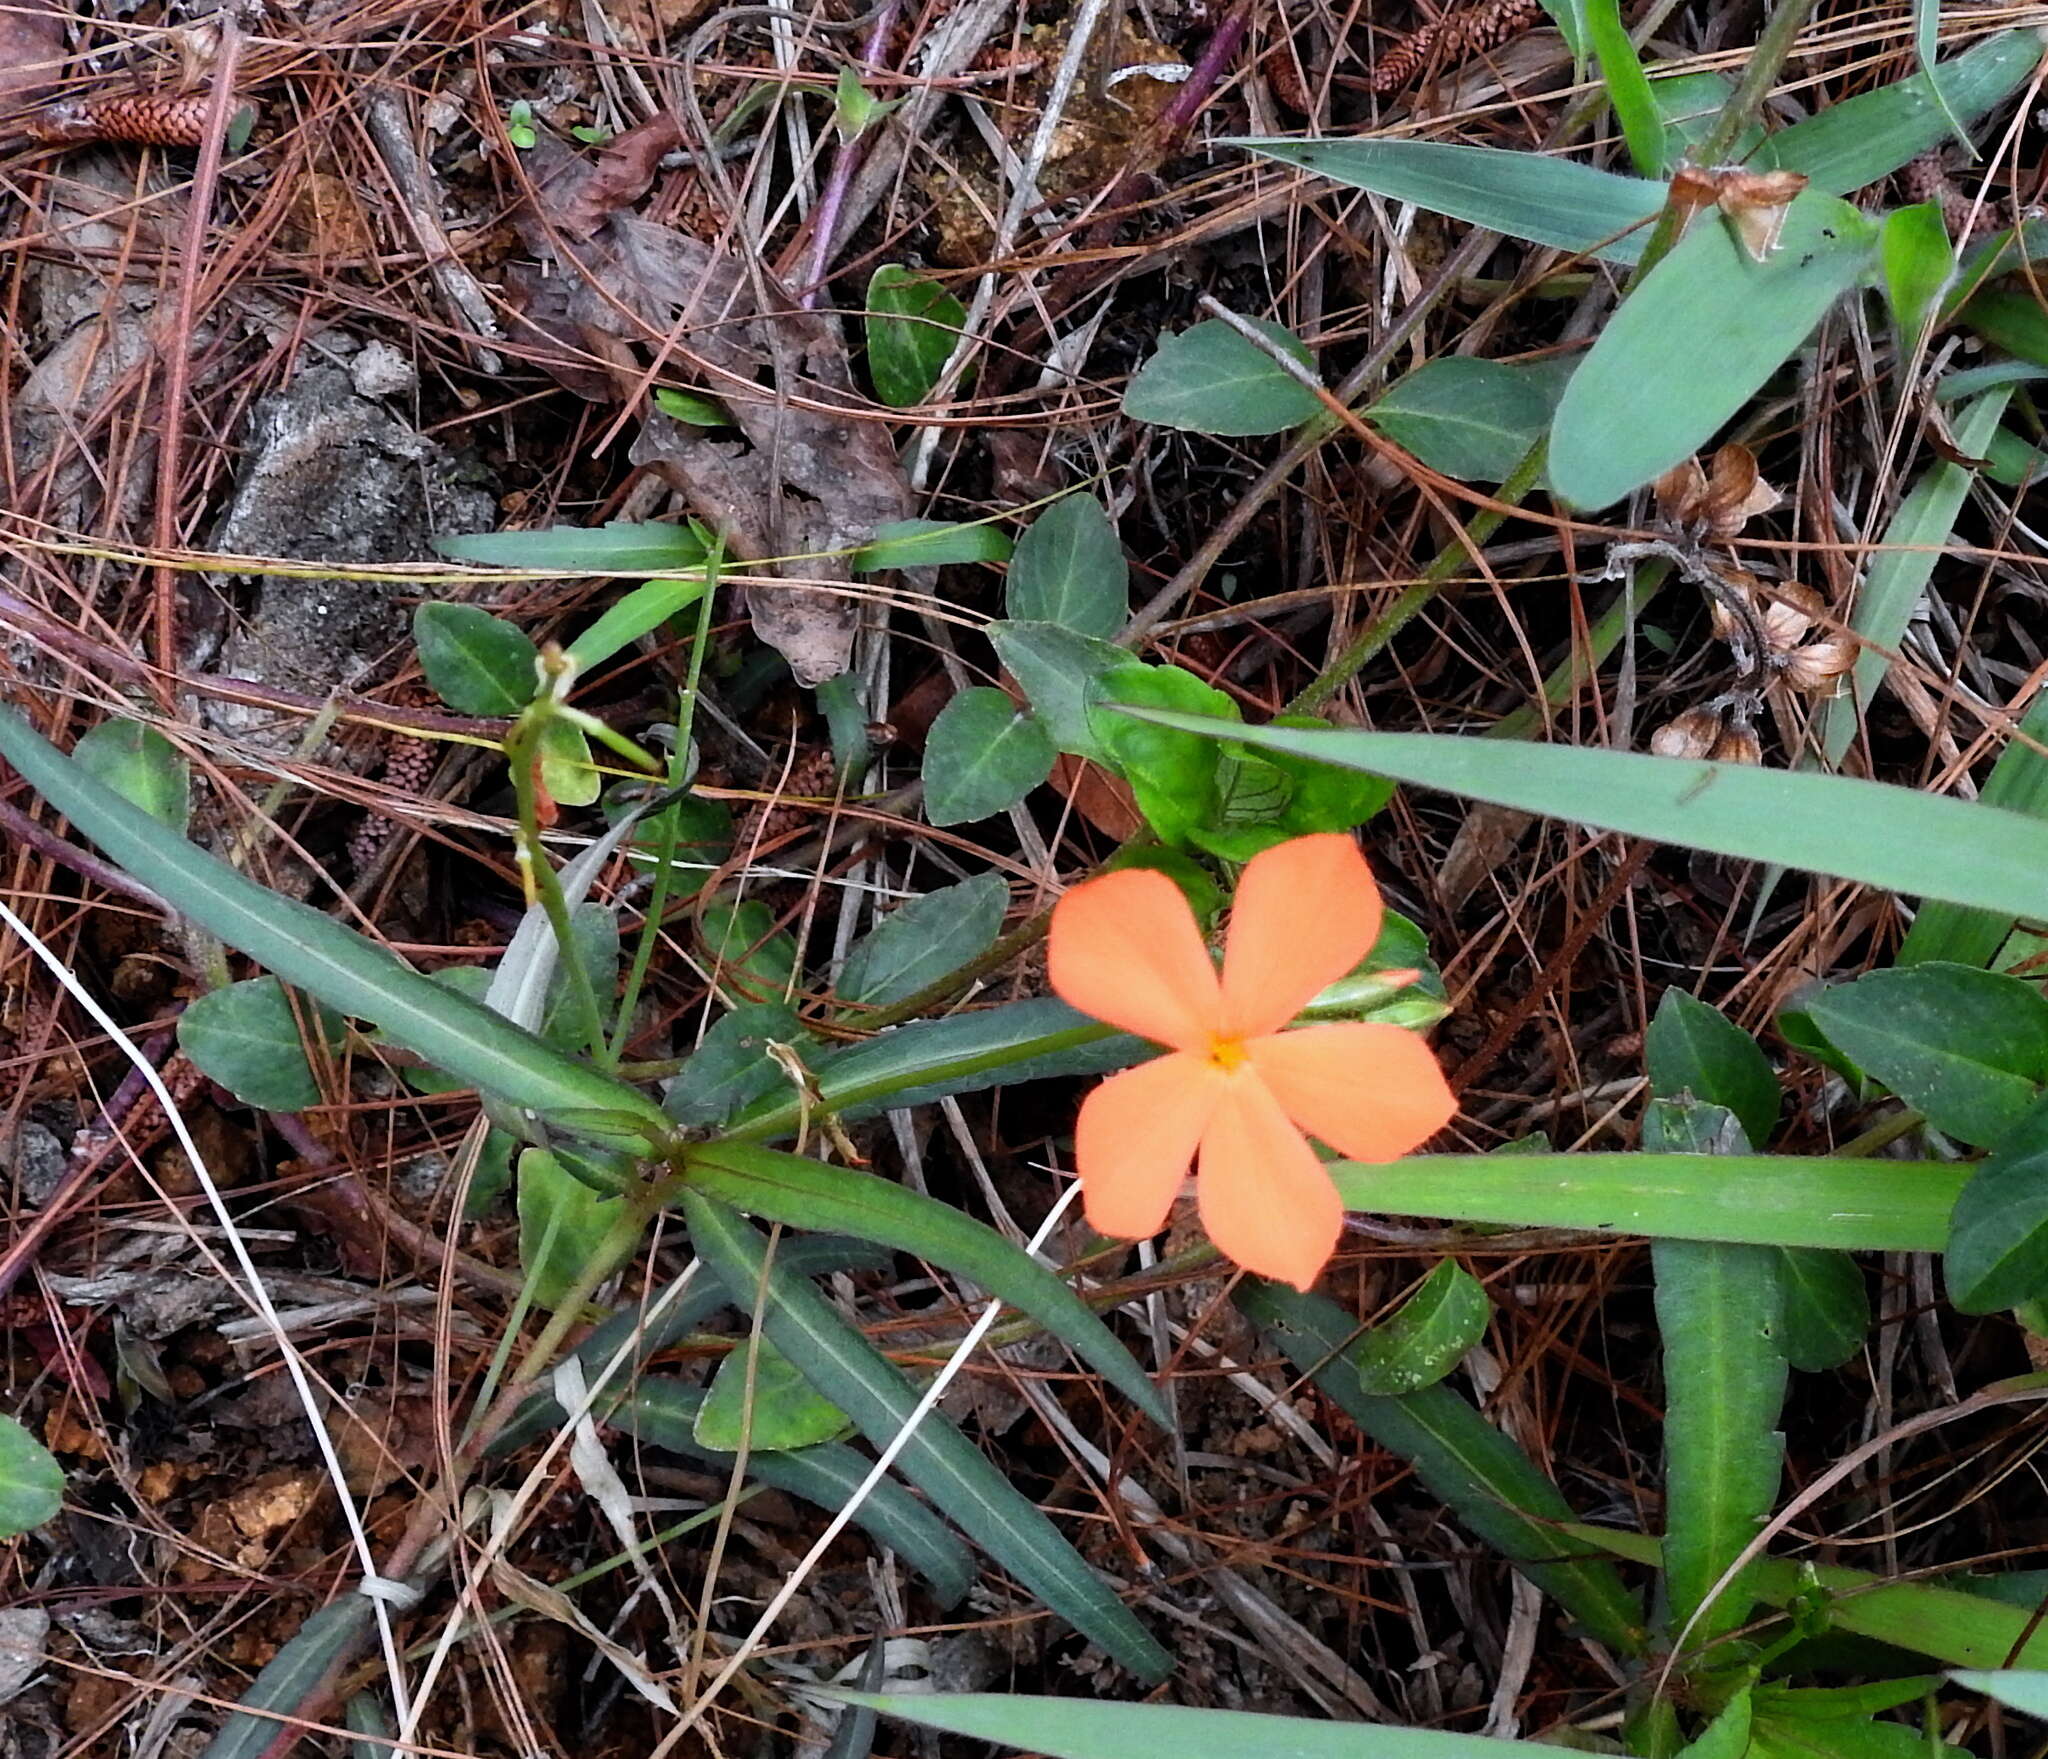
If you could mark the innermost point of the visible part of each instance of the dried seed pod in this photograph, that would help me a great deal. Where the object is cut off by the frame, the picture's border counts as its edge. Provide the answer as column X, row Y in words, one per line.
column 1692, row 734
column 1756, row 203
column 1788, row 614
column 1820, row 665
column 1681, row 492
column 1735, row 494
column 1738, row 744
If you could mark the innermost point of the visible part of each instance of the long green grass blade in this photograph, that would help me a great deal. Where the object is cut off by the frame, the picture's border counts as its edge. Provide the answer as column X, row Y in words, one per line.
column 803, row 1193
column 320, row 956
column 939, row 1460
column 1484, row 1478
column 2018, row 783
column 1724, row 1387
column 1078, row 1728
column 1761, row 1199
column 1919, row 844
column 664, row 1411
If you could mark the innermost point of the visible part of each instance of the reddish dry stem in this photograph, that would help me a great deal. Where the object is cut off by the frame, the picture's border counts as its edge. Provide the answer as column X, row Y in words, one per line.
column 1470, row 30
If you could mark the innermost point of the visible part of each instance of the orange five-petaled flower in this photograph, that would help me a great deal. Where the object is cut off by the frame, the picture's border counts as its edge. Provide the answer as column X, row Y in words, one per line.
column 1235, row 1090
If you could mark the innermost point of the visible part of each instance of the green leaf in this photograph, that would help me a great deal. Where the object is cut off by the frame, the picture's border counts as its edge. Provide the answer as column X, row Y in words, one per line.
column 1763, row 1199
column 1432, row 1333
column 1851, row 144
column 1727, row 1736
column 1898, row 575
column 476, row 663
column 1830, row 1703
column 1967, row 1047
column 744, row 946
column 1826, row 1309
column 594, row 937
column 1692, row 1048
column 1724, row 1387
column 623, row 547
column 567, row 770
column 1469, row 419
column 642, row 611
column 1998, row 1239
column 948, row 1468
column 662, row 1412
column 31, row 1481
column 804, row 1193
column 1525, row 195
column 1320, row 798
column 1872, row 832
column 913, row 326
column 925, row 939
column 779, row 1412
column 1690, row 104
column 691, row 408
column 1080, row 1728
column 982, row 756
column 564, row 1226
column 1807, row 1737
column 1489, row 1484
column 2018, row 782
column 731, row 1067
column 855, row 110
column 1069, row 570
column 913, row 1065
column 2009, row 319
column 290, row 1677
column 250, row 1037
column 1060, row 673
column 1173, row 777
column 1919, row 264
column 1691, row 1126
column 141, row 766
column 1694, row 342
column 1628, row 88
column 930, row 543
column 1210, row 380
column 2021, row 1689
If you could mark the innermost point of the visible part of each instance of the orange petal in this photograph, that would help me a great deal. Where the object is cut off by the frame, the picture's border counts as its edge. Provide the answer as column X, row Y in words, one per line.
column 1307, row 911
column 1125, row 949
column 1264, row 1197
column 1371, row 1092
column 1135, row 1139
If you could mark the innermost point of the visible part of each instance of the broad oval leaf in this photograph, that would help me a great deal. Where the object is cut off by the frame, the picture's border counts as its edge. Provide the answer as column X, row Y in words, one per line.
column 950, row 1470
column 1998, row 1240
column 1058, row 669
column 1210, row 380
column 1967, row 1047
column 731, row 1066
column 758, row 1400
column 1470, row 419
column 1694, row 342
column 921, row 941
column 478, row 664
column 1069, row 569
column 1919, row 264
column 1525, row 195
column 141, row 766
column 982, row 756
column 1825, row 1309
column 1432, row 1333
column 318, row 955
column 564, row 1227
column 1692, row 1048
column 913, row 326
column 804, row 1193
column 31, row 1481
column 250, row 1037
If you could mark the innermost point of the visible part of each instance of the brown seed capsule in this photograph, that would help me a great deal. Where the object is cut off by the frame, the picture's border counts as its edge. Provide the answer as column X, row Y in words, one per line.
column 1756, row 203
column 1788, row 614
column 1738, row 744
column 1681, row 492
column 1735, row 493
column 1692, row 734
column 1820, row 665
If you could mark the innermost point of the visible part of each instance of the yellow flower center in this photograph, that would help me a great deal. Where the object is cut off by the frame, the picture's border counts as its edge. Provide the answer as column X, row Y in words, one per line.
column 1226, row 1054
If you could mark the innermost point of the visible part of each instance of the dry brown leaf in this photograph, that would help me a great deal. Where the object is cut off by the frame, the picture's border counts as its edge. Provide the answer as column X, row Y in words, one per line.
column 31, row 50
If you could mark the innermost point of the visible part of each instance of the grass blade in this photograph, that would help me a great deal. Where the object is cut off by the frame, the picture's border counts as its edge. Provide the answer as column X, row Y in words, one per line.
column 807, row 1194
column 1919, row 844
column 1485, row 1479
column 1724, row 1387
column 320, row 956
column 1761, row 1199
column 948, row 1468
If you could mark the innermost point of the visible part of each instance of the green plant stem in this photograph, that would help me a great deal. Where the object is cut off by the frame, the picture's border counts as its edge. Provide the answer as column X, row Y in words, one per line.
column 1446, row 563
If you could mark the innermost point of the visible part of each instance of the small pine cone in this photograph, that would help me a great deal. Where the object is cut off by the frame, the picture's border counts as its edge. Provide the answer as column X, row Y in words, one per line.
column 149, row 118
column 1451, row 39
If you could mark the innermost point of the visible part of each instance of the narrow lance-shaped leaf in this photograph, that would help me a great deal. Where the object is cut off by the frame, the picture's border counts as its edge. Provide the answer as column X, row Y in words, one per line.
column 850, row 1372
column 317, row 954
column 797, row 1192
column 1919, row 844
